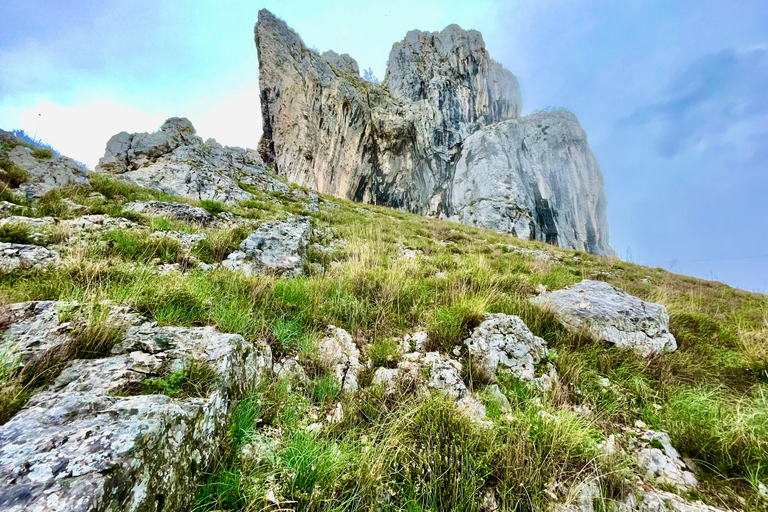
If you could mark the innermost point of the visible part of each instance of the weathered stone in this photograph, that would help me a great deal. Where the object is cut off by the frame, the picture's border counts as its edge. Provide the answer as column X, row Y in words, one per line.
column 610, row 314
column 340, row 355
column 326, row 129
column 25, row 257
column 279, row 246
column 505, row 340
column 655, row 500
column 30, row 222
column 186, row 240
column 47, row 175
column 445, row 374
column 7, row 209
column 176, row 161
column 81, row 445
column 177, row 211
column 290, row 369
column 663, row 465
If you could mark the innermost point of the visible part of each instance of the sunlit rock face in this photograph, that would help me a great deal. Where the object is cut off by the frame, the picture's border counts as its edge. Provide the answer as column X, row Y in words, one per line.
column 441, row 136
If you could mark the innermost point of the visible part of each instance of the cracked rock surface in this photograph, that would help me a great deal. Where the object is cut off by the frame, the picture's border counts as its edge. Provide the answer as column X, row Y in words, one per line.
column 84, row 444
column 279, row 246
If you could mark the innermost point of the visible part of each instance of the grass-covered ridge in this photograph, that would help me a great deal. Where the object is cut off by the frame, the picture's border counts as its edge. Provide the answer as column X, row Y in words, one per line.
column 410, row 452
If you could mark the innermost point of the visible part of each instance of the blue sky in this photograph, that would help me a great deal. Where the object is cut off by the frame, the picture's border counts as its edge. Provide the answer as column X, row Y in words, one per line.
column 672, row 94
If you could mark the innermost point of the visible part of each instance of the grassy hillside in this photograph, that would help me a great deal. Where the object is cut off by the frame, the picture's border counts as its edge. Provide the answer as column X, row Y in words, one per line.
column 386, row 274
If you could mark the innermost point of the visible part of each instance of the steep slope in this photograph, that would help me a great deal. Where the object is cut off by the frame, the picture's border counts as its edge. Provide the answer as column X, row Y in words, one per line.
column 401, row 144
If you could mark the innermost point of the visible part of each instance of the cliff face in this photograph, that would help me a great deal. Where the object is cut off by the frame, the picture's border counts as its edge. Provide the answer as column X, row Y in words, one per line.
column 438, row 137
column 536, row 178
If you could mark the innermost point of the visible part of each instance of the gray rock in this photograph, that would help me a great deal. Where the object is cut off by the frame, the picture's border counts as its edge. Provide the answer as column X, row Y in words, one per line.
column 339, row 355
column 47, row 175
column 31, row 222
column 8, row 209
column 80, row 446
column 445, row 375
column 279, row 246
column 326, row 129
column 386, row 377
column 97, row 223
column 441, row 136
column 612, row 315
column 25, row 257
column 663, row 465
column 505, row 340
column 176, row 161
column 535, row 178
column 655, row 500
column 290, row 369
column 342, row 62
column 186, row 240
column 177, row 211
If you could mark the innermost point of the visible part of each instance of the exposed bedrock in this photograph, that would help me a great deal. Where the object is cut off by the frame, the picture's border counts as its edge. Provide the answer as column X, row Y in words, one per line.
column 441, row 136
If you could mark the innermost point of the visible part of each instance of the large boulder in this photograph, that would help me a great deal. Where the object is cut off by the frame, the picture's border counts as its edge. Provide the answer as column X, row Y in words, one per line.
column 441, row 136
column 25, row 257
column 612, row 315
column 177, row 162
column 90, row 442
column 279, row 246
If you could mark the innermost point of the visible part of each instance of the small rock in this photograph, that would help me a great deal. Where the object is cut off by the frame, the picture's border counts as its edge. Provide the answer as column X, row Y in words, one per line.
column 339, row 354
column 25, row 257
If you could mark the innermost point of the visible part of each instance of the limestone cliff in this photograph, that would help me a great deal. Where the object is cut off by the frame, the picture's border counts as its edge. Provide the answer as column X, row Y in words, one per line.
column 441, row 136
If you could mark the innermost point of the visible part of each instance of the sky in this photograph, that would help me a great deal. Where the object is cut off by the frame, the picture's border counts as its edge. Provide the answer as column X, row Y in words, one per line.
column 673, row 95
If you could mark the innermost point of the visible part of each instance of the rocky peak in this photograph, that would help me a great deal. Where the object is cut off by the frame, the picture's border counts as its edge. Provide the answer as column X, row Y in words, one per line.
column 442, row 136
column 449, row 65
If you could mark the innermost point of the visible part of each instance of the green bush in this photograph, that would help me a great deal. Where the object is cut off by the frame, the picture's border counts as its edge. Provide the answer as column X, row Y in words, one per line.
column 16, row 233
column 42, row 154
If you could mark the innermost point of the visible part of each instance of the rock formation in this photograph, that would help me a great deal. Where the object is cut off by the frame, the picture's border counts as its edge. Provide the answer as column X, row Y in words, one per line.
column 442, row 136
column 177, row 162
column 612, row 315
column 93, row 440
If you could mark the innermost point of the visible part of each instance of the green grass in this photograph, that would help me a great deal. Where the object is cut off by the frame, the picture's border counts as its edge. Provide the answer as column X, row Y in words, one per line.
column 193, row 380
column 16, row 233
column 709, row 395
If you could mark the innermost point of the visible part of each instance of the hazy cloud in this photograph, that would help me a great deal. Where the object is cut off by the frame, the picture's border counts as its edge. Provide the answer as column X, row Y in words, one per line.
column 720, row 99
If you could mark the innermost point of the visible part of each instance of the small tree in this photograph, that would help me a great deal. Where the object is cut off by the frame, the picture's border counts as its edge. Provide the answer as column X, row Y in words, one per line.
column 370, row 77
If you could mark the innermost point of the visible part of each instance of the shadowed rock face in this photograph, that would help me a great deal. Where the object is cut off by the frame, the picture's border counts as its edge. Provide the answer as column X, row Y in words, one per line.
column 442, row 136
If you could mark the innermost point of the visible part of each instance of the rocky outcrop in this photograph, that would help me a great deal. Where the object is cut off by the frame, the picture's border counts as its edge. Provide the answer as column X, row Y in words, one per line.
column 45, row 171
column 279, row 246
column 441, row 136
column 177, row 162
column 25, row 257
column 612, row 315
column 535, row 178
column 91, row 441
